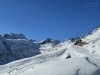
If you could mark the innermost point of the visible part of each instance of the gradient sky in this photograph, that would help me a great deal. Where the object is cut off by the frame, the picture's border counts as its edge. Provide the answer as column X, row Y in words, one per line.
column 58, row 19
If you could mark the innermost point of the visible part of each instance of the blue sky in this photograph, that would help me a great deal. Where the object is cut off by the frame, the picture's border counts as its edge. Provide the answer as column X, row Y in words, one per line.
column 40, row 19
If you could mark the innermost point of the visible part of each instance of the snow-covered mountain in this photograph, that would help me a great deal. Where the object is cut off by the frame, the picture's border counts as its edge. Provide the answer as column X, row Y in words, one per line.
column 13, row 36
column 17, row 46
column 93, row 40
column 79, row 56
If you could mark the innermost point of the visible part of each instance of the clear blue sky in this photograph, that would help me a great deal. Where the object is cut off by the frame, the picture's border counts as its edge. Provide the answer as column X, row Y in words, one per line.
column 39, row 19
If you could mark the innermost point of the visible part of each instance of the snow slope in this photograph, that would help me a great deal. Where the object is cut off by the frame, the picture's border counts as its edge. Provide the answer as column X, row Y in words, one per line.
column 81, row 62
column 64, row 67
column 55, row 63
column 63, row 58
column 93, row 41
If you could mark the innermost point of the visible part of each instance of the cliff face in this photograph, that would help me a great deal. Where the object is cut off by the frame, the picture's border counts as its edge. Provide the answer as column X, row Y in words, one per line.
column 16, row 46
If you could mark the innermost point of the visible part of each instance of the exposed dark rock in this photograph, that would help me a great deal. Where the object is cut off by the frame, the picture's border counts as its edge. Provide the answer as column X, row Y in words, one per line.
column 80, row 42
column 73, row 39
column 49, row 40
column 68, row 56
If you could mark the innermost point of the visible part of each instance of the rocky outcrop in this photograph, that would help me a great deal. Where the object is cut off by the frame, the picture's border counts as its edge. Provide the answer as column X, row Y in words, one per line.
column 49, row 40
column 79, row 42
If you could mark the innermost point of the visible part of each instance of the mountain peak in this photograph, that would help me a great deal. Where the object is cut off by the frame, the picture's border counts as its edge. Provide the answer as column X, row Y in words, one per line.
column 13, row 36
column 49, row 40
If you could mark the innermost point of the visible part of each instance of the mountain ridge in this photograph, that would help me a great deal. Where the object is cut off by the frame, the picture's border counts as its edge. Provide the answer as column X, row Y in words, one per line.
column 50, row 56
column 14, row 44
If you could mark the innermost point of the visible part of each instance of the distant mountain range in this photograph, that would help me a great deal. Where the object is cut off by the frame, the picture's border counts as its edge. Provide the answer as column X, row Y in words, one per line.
column 75, row 56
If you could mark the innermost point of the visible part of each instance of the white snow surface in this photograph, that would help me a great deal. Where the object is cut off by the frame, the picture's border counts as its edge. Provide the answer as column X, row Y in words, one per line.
column 64, row 58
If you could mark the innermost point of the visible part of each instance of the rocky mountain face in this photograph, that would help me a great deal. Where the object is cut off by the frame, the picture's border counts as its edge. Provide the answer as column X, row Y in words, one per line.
column 17, row 46
column 13, row 36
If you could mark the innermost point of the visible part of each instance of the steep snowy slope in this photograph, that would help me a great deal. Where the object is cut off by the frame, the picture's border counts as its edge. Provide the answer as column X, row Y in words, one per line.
column 93, row 41
column 93, row 36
